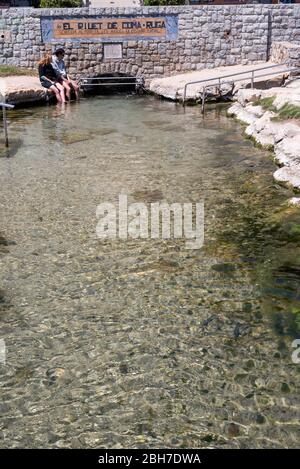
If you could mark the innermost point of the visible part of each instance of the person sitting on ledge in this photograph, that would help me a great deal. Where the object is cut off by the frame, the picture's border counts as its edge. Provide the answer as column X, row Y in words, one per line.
column 59, row 66
column 50, row 79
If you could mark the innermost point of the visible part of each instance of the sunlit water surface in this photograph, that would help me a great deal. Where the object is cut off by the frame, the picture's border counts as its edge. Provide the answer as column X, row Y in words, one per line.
column 144, row 343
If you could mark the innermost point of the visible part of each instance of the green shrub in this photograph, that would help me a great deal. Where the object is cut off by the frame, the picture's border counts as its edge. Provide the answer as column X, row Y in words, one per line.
column 163, row 2
column 60, row 3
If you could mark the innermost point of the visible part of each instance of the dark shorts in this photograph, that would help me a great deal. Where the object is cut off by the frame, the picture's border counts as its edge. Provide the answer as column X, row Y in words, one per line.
column 47, row 84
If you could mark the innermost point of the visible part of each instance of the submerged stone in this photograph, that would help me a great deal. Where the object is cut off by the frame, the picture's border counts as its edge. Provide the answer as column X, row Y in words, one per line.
column 225, row 268
column 233, row 430
column 285, row 388
column 260, row 419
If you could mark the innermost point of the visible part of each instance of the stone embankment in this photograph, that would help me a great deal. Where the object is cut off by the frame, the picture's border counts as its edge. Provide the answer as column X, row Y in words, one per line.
column 272, row 119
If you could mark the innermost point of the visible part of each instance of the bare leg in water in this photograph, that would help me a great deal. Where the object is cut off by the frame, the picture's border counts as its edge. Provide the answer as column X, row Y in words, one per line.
column 61, row 91
column 56, row 92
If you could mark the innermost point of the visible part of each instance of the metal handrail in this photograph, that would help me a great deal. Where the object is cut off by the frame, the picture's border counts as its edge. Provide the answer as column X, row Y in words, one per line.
column 9, row 106
column 108, row 78
column 84, row 81
column 4, row 107
column 239, row 79
column 108, row 84
column 110, row 81
column 252, row 72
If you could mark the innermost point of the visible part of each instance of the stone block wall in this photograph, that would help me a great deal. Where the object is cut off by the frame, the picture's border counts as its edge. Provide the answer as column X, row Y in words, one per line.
column 286, row 52
column 208, row 36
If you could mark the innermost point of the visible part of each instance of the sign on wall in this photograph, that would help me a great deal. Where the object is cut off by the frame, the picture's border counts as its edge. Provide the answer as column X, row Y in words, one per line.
column 112, row 51
column 101, row 29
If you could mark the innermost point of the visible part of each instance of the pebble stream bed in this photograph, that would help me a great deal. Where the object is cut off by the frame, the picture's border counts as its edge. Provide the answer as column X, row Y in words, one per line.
column 143, row 343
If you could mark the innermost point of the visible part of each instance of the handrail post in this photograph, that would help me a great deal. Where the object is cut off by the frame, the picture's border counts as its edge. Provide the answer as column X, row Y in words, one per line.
column 184, row 94
column 203, row 100
column 6, row 143
column 252, row 79
column 4, row 106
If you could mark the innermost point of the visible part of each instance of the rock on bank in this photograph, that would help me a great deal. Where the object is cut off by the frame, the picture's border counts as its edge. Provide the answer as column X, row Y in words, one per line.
column 268, row 115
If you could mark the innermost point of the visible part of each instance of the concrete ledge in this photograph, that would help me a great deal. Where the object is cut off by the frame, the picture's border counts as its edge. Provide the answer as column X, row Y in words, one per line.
column 21, row 89
column 173, row 87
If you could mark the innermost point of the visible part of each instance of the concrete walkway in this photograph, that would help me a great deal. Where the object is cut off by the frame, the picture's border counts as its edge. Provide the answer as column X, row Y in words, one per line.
column 172, row 87
column 21, row 89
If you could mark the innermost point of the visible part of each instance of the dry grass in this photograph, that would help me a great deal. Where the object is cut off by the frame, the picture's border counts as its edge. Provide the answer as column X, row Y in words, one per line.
column 11, row 70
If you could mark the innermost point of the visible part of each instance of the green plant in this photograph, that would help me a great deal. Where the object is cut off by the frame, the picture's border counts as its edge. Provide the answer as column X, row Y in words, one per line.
column 163, row 2
column 60, row 3
column 265, row 103
column 289, row 111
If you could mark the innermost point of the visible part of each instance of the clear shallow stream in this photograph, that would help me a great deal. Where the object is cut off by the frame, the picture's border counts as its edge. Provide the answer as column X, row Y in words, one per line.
column 143, row 343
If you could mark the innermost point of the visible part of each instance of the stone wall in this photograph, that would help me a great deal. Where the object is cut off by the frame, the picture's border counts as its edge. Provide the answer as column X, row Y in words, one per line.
column 286, row 52
column 208, row 36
